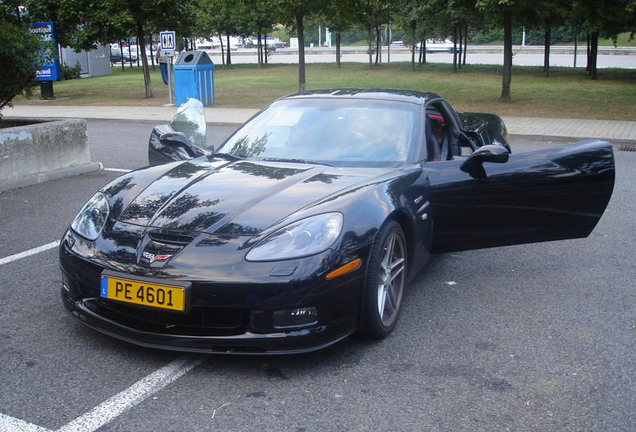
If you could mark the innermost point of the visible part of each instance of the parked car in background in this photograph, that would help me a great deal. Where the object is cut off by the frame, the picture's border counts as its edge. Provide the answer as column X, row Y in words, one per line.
column 438, row 45
column 115, row 55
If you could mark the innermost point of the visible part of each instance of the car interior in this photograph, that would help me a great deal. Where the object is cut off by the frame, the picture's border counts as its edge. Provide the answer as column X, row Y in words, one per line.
column 443, row 142
column 439, row 136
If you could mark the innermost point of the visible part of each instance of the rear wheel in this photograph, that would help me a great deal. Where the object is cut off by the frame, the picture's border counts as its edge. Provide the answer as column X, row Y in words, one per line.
column 385, row 280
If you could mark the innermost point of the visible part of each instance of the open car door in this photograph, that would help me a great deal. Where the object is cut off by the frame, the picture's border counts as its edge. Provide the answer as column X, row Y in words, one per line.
column 493, row 198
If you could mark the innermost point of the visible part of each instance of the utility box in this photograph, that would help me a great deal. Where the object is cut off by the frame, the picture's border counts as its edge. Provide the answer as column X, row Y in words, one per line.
column 194, row 77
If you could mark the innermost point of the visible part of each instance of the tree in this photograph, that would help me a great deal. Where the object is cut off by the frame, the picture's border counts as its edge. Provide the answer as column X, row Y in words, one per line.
column 507, row 63
column 453, row 18
column 19, row 56
column 293, row 14
column 604, row 18
column 339, row 16
column 372, row 15
column 260, row 19
column 503, row 12
column 222, row 17
column 410, row 15
column 545, row 15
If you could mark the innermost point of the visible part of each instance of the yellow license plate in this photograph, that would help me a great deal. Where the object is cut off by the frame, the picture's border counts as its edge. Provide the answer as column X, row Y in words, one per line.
column 143, row 293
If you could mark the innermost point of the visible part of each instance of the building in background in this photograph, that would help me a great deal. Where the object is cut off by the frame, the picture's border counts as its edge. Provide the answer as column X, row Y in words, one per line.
column 93, row 63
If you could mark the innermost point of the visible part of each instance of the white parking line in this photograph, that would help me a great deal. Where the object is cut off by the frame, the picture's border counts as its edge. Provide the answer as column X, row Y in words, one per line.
column 116, row 405
column 30, row 252
column 10, row 424
column 133, row 395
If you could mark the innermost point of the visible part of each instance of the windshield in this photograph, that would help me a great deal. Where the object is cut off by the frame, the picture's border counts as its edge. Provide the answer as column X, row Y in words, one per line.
column 346, row 132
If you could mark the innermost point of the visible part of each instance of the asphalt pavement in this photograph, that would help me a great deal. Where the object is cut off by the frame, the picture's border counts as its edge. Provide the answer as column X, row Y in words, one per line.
column 529, row 337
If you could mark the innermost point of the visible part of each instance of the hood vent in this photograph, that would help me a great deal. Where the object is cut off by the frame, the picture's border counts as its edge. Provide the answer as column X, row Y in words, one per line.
column 171, row 238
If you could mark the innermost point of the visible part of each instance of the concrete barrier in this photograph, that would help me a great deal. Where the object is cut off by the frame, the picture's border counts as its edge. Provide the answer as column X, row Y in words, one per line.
column 42, row 151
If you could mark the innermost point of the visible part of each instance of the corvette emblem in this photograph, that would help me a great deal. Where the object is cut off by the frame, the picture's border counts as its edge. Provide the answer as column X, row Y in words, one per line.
column 152, row 257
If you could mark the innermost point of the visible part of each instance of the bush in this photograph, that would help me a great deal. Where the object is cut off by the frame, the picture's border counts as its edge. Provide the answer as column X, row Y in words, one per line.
column 19, row 56
column 71, row 72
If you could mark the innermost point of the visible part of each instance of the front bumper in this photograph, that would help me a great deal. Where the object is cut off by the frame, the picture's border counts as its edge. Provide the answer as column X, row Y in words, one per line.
column 228, row 316
column 292, row 342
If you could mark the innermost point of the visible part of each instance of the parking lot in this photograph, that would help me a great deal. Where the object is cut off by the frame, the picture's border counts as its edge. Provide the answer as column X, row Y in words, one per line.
column 532, row 337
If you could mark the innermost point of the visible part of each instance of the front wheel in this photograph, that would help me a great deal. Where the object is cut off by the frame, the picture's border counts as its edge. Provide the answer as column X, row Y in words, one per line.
column 385, row 280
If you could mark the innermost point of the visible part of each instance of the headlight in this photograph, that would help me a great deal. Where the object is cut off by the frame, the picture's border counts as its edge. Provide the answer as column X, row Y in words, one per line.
column 303, row 238
column 90, row 221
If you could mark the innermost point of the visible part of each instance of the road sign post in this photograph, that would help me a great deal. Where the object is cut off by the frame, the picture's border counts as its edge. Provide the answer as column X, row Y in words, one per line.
column 170, row 55
column 167, row 42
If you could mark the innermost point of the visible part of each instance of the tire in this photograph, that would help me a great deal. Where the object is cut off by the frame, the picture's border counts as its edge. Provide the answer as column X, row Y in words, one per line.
column 384, row 282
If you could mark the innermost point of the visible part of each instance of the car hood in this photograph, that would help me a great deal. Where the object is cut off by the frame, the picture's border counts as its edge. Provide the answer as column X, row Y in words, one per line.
column 239, row 198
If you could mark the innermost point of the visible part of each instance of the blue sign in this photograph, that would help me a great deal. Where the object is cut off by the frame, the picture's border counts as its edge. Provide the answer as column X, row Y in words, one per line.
column 46, row 31
column 167, row 40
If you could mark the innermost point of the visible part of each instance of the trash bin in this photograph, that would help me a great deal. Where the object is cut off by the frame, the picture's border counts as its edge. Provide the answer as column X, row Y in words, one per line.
column 194, row 77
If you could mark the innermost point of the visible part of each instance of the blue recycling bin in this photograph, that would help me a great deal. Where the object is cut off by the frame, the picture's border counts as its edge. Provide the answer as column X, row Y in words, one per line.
column 194, row 77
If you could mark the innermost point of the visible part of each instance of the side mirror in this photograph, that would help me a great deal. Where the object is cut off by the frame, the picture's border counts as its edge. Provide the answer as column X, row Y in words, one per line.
column 488, row 153
column 179, row 143
column 169, row 146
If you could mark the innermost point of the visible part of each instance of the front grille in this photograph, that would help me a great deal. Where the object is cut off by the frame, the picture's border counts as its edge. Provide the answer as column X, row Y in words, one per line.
column 172, row 238
column 200, row 321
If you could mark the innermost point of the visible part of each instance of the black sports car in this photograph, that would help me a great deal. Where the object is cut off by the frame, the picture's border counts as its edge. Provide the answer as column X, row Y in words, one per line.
column 306, row 224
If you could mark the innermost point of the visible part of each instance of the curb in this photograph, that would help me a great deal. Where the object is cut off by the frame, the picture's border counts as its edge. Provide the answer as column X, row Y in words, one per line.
column 50, row 175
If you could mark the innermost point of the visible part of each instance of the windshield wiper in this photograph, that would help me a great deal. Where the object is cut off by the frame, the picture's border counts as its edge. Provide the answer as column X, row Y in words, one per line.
column 291, row 160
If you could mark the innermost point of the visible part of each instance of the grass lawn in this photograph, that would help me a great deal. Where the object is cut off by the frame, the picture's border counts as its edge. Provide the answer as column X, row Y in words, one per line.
column 568, row 93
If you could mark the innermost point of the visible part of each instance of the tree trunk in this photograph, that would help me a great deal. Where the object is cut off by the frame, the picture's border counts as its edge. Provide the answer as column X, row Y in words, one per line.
column 300, row 28
column 461, row 46
column 378, row 45
column 413, row 47
column 259, row 51
column 222, row 49
column 594, row 55
column 465, row 44
column 265, row 53
column 455, row 49
column 546, row 50
column 229, row 56
column 587, row 67
column 130, row 62
column 389, row 37
column 507, row 62
column 144, row 59
column 424, row 50
column 121, row 50
column 370, row 40
column 576, row 43
column 263, row 48
column 338, row 48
